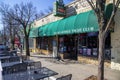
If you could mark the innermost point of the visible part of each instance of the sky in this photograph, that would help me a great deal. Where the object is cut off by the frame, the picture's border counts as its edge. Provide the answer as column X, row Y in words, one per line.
column 41, row 5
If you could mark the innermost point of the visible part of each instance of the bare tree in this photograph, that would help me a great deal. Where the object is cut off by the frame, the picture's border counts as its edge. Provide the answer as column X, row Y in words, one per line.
column 10, row 25
column 24, row 14
column 104, row 27
column 1, row 36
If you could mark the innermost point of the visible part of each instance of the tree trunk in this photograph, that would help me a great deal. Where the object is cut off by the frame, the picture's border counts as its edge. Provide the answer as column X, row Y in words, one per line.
column 12, row 44
column 101, row 55
column 12, row 41
column 27, row 45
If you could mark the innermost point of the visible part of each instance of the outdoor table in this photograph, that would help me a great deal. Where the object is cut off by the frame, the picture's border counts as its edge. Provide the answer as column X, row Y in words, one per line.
column 34, row 74
column 10, row 64
column 14, row 63
column 4, row 57
column 27, row 61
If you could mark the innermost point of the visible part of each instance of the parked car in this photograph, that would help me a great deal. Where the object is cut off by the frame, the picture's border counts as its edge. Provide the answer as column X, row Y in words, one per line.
column 3, row 48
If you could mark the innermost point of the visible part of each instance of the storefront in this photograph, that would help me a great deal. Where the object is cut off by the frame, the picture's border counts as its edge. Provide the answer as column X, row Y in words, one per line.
column 72, row 37
column 84, row 44
column 44, row 44
column 67, row 46
column 77, row 33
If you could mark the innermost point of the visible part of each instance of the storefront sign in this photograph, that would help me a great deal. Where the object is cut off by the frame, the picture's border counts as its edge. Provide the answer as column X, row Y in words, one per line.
column 80, row 30
column 59, row 8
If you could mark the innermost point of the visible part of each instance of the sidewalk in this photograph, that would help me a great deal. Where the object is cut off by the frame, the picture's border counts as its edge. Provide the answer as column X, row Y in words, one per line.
column 79, row 71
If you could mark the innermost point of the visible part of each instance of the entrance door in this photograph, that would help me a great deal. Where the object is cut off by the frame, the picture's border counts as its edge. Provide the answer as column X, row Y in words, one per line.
column 72, row 47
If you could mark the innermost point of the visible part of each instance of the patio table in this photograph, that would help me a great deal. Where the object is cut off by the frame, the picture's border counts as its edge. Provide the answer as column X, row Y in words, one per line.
column 4, row 57
column 7, row 64
column 10, row 64
column 34, row 74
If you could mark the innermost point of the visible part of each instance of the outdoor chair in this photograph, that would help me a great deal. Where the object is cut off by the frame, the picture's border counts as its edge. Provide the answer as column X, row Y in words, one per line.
column 66, row 77
column 35, row 65
column 14, row 59
column 7, row 70
column 20, row 67
column 6, row 60
column 13, row 53
column 24, row 57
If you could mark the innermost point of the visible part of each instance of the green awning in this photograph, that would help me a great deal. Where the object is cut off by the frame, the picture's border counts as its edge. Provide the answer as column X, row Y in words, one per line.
column 108, row 11
column 81, row 23
column 52, row 29
column 48, row 29
column 33, row 32
column 42, row 30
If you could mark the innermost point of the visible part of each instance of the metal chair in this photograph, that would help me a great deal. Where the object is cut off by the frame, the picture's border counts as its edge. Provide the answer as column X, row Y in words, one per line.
column 21, row 67
column 35, row 65
column 7, row 70
column 66, row 77
column 14, row 59
column 13, row 53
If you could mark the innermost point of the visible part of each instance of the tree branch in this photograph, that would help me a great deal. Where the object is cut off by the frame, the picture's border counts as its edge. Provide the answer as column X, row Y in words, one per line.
column 117, row 3
column 109, row 22
column 91, row 5
column 115, row 7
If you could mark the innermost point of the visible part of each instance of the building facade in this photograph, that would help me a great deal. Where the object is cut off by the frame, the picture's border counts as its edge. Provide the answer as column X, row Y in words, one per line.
column 82, row 42
column 115, row 43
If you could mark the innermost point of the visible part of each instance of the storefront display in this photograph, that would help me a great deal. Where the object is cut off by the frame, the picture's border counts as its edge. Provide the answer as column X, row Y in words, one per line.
column 86, row 44
column 95, row 52
column 73, row 45
column 84, row 51
column 61, row 47
column 89, row 51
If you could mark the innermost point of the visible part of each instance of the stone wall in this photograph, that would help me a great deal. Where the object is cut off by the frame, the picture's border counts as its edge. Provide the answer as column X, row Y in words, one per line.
column 115, row 43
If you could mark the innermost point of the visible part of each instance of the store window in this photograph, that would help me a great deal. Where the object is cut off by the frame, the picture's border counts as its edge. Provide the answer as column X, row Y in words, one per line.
column 61, row 46
column 38, row 42
column 87, row 44
column 42, row 43
column 31, row 42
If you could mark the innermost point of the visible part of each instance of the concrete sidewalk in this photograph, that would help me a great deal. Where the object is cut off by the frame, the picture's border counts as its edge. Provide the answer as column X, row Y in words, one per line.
column 80, row 71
